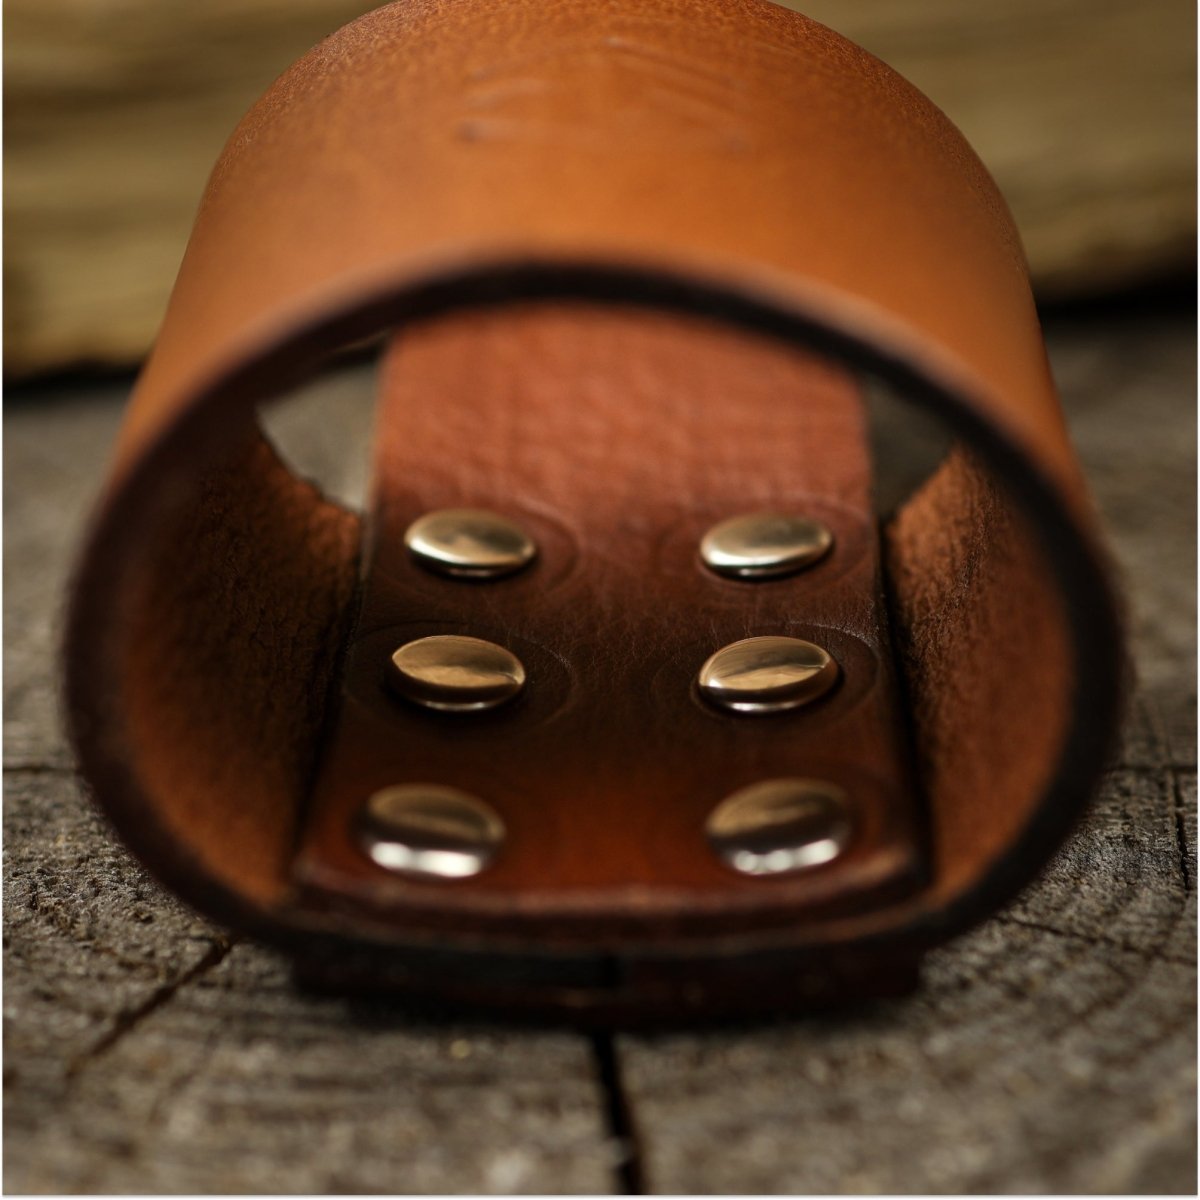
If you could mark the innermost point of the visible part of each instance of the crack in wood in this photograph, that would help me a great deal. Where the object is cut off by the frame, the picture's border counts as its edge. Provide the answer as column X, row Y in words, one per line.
column 1181, row 839
column 1180, row 829
column 622, row 1127
column 1096, row 940
column 129, row 1019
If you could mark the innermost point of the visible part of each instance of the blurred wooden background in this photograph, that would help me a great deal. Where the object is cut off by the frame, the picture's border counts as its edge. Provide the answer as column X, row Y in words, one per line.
column 116, row 109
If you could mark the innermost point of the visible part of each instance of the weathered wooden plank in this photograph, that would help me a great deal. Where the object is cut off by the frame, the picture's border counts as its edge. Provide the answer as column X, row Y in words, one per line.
column 1129, row 391
column 89, row 940
column 241, row 1085
column 1028, row 1062
column 1121, row 883
column 55, row 449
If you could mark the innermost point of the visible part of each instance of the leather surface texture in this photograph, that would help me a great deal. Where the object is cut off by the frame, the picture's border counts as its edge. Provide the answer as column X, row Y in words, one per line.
column 632, row 262
column 621, row 437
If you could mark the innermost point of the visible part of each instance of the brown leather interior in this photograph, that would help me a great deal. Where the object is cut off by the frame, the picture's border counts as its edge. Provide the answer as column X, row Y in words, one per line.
column 631, row 251
column 232, row 622
column 981, row 630
column 621, row 436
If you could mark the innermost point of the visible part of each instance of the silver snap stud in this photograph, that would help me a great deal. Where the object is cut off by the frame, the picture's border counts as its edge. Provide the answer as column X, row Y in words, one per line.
column 764, row 545
column 428, row 830
column 469, row 543
column 451, row 673
column 780, row 825
column 767, row 674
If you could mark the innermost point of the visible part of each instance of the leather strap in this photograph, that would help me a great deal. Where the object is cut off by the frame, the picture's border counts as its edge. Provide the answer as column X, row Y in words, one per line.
column 726, row 192
column 620, row 437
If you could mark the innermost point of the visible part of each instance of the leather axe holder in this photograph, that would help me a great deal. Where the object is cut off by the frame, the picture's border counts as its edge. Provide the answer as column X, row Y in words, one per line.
column 632, row 262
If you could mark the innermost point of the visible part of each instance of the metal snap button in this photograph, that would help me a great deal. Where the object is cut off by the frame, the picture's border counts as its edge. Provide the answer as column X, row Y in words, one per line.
column 429, row 830
column 767, row 674
column 470, row 543
column 780, row 826
column 452, row 673
column 764, row 545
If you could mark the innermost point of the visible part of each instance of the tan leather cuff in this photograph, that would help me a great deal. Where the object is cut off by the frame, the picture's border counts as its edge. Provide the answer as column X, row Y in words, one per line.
column 632, row 267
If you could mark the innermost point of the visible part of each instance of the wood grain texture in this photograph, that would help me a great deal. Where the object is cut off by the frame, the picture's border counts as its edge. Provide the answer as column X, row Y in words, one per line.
column 223, row 1078
column 1051, row 1050
column 57, row 460
column 116, row 111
